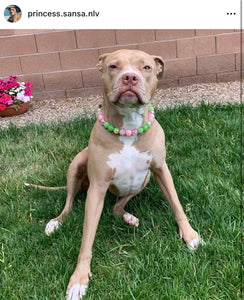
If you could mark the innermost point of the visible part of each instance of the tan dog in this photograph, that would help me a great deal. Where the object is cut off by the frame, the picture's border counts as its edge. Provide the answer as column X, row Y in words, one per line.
column 120, row 158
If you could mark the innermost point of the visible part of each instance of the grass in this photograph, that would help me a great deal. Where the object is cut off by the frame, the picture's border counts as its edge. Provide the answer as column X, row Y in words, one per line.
column 150, row 262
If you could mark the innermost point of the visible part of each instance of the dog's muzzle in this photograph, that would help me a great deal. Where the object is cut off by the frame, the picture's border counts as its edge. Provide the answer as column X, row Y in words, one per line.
column 129, row 88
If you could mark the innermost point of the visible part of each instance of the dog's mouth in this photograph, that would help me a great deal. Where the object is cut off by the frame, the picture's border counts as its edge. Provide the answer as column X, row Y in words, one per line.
column 131, row 96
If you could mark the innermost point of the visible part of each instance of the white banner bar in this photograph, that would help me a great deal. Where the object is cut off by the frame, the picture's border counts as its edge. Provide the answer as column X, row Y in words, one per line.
column 126, row 14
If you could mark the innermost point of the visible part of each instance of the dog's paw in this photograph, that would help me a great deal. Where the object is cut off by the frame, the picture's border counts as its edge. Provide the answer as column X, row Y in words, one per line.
column 51, row 227
column 76, row 292
column 190, row 236
column 193, row 245
column 131, row 220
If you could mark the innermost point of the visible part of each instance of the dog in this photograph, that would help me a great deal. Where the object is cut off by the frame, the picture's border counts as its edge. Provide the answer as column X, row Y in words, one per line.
column 126, row 145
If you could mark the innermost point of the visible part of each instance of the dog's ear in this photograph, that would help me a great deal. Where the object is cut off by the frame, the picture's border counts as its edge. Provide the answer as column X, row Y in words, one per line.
column 101, row 60
column 160, row 66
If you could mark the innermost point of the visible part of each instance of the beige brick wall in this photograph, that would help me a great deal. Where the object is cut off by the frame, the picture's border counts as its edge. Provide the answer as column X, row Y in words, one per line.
column 61, row 63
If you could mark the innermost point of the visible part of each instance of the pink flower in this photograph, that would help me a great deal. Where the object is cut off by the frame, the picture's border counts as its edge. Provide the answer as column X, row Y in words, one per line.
column 2, row 107
column 29, row 84
column 4, row 98
column 27, row 92
column 12, row 78
column 10, row 102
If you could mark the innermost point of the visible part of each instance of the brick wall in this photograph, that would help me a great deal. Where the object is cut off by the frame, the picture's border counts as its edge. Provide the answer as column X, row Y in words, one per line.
column 61, row 63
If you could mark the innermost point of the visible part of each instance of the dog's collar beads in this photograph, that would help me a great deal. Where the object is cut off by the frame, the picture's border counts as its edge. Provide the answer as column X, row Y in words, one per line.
column 127, row 132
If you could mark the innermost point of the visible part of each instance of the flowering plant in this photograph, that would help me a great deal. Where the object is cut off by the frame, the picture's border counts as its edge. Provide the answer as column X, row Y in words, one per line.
column 13, row 92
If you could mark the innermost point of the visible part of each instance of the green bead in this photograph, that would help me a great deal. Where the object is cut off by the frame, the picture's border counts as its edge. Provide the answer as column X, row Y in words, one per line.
column 106, row 124
column 140, row 130
column 145, row 127
column 110, row 128
column 148, row 123
column 116, row 130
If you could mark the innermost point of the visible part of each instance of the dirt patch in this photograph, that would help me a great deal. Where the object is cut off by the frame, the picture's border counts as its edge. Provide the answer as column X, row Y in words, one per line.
column 53, row 110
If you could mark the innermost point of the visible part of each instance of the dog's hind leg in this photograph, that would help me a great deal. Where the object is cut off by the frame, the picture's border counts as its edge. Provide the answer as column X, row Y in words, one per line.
column 118, row 210
column 76, row 179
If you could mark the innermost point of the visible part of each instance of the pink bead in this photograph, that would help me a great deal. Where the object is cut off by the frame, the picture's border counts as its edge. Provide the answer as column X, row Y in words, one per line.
column 99, row 113
column 134, row 132
column 122, row 131
column 102, row 121
column 151, row 120
column 128, row 132
column 100, row 117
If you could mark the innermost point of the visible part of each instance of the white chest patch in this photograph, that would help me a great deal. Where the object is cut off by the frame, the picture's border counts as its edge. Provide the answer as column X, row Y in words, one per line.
column 131, row 168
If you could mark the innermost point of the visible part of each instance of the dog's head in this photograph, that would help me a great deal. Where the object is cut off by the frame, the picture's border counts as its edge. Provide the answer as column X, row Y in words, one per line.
column 130, row 76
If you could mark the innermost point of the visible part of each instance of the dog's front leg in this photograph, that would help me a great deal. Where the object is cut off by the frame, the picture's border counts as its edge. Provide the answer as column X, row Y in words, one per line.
column 93, row 209
column 165, row 182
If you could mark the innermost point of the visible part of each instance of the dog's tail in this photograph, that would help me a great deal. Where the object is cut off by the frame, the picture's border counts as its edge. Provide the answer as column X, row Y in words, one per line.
column 41, row 187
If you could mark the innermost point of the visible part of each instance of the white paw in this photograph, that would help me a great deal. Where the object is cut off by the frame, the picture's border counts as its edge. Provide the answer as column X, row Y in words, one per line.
column 195, row 243
column 51, row 227
column 131, row 220
column 76, row 292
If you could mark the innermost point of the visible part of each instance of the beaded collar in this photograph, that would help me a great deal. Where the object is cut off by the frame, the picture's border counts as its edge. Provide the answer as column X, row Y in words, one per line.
column 127, row 132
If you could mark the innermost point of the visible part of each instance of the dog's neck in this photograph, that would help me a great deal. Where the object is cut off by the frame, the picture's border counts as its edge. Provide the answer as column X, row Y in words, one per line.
column 125, row 116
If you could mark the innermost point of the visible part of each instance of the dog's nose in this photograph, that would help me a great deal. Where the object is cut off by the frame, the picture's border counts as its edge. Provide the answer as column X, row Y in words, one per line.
column 130, row 78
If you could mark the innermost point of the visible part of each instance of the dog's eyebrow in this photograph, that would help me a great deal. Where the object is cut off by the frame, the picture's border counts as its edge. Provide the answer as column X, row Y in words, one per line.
column 145, row 62
column 116, row 62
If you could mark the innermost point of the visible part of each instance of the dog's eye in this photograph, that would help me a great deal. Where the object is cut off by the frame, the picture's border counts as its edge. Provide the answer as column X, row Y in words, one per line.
column 112, row 67
column 147, row 68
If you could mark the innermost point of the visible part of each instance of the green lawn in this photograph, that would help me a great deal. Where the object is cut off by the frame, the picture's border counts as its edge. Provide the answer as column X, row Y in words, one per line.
column 149, row 262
